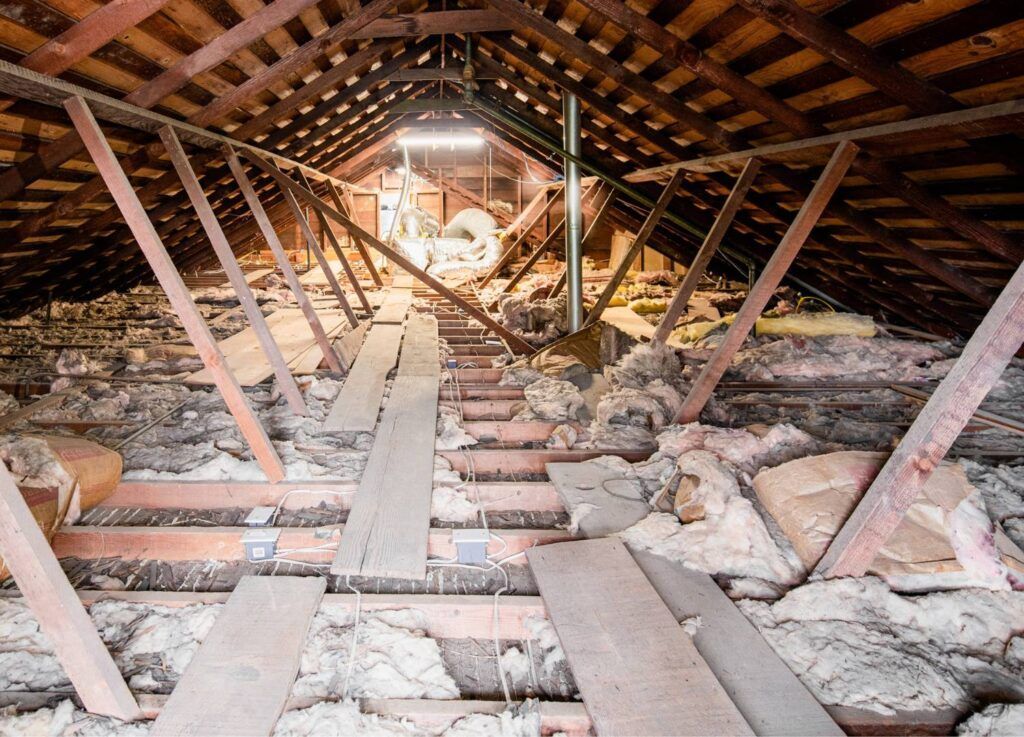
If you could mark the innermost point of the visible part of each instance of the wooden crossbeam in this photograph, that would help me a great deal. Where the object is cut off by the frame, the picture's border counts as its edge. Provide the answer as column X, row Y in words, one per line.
column 170, row 281
column 56, row 606
column 436, row 22
column 270, row 236
column 772, row 275
column 642, row 236
column 945, row 414
column 236, row 278
column 347, row 206
column 516, row 343
column 707, row 251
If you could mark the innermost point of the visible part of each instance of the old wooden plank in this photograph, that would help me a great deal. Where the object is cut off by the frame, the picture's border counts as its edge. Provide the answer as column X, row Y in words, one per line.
column 637, row 670
column 239, row 680
column 396, row 304
column 387, row 530
column 61, row 616
column 358, row 402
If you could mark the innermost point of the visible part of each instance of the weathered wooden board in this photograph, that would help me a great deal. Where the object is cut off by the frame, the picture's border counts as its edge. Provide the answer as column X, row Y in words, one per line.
column 358, row 403
column 386, row 532
column 637, row 670
column 239, row 680
column 633, row 325
column 764, row 689
column 394, row 306
column 616, row 499
column 245, row 357
column 348, row 345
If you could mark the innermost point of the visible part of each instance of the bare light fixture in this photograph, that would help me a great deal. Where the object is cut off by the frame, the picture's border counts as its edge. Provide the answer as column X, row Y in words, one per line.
column 441, row 139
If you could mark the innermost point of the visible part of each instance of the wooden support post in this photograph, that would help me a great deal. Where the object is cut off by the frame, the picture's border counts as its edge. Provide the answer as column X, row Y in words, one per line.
column 348, row 208
column 326, row 232
column 770, row 278
column 524, row 212
column 170, row 281
column 267, row 228
column 56, row 606
column 707, row 251
column 321, row 257
column 609, row 196
column 943, row 417
column 646, row 230
column 285, row 380
column 512, row 250
column 515, row 343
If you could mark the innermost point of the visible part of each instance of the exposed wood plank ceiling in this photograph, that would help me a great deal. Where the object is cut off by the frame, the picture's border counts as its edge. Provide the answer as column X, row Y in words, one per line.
column 924, row 230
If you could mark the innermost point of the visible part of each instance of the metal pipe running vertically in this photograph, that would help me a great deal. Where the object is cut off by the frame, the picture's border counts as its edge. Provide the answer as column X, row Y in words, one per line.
column 573, row 210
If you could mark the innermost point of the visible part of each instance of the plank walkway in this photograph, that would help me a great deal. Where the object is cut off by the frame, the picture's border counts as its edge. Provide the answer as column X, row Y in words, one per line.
column 386, row 532
column 239, row 680
column 358, row 402
column 288, row 326
column 637, row 670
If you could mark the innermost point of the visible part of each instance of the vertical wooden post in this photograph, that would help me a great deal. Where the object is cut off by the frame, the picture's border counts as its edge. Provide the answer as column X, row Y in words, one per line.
column 222, row 248
column 512, row 250
column 153, row 248
column 771, row 277
column 942, row 419
column 646, row 230
column 282, row 260
column 321, row 258
column 56, row 606
column 609, row 196
column 707, row 250
column 326, row 232
column 348, row 207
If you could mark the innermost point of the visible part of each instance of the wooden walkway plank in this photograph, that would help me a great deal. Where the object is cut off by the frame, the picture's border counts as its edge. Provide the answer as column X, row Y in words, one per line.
column 386, row 532
column 767, row 693
column 637, row 670
column 239, row 680
column 396, row 303
column 56, row 606
column 358, row 402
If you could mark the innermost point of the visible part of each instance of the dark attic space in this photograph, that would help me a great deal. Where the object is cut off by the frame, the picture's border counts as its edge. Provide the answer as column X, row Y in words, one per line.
column 511, row 368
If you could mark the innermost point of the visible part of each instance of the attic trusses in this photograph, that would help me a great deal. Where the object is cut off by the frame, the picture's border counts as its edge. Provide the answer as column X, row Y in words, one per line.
column 923, row 230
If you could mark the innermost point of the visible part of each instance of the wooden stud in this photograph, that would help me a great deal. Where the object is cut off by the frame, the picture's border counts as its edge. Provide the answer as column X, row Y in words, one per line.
column 707, row 250
column 270, row 235
column 56, row 606
column 642, row 236
column 153, row 248
column 237, row 279
column 772, row 275
column 347, row 206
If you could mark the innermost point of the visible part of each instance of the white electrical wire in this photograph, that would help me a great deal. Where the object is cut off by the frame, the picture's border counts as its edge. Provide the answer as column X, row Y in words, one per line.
column 277, row 509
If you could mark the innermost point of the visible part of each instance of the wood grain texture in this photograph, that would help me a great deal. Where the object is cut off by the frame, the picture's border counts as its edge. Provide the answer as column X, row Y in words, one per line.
column 55, row 605
column 239, row 680
column 764, row 689
column 387, row 530
column 358, row 402
column 637, row 670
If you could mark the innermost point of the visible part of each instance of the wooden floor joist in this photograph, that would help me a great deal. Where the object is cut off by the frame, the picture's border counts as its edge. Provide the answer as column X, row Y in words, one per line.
column 390, row 518
column 238, row 683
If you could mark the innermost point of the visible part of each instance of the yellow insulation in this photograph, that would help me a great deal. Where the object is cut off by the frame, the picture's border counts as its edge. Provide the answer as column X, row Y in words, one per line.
column 697, row 330
column 646, row 306
column 817, row 323
column 617, row 301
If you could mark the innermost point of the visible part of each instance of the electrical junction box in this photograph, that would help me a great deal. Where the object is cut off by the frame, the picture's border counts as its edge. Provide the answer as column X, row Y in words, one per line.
column 260, row 543
column 471, row 545
column 452, row 363
column 260, row 516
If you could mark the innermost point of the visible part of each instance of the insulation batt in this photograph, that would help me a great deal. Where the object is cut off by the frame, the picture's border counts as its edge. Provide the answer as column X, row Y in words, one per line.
column 854, row 642
column 846, row 357
column 8, row 403
column 65, row 720
column 539, row 321
column 394, row 657
column 452, row 505
column 995, row 720
column 450, row 433
column 551, row 399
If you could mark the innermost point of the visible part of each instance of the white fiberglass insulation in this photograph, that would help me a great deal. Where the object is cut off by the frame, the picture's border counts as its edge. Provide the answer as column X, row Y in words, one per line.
column 995, row 720
column 1003, row 490
column 65, row 720
column 450, row 433
column 854, row 642
column 204, row 442
column 394, row 657
column 551, row 399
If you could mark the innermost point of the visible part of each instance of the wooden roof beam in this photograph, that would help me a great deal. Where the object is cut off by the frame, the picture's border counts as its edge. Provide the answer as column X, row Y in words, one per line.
column 435, row 23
